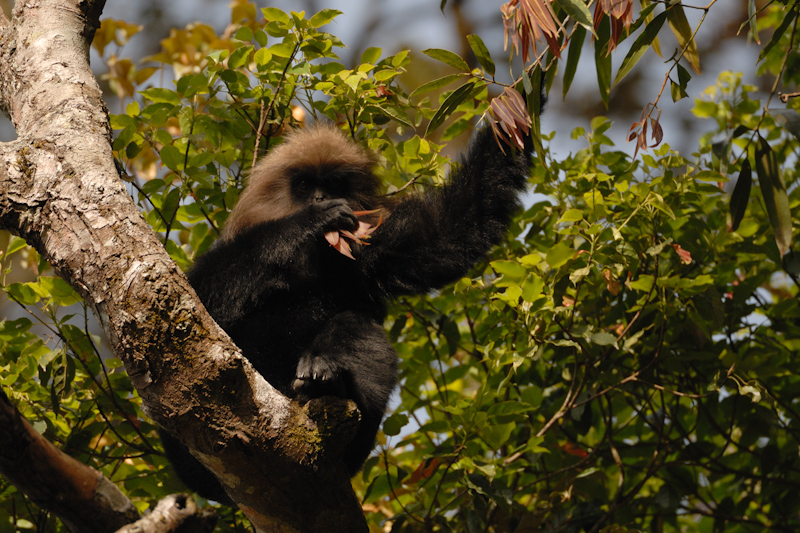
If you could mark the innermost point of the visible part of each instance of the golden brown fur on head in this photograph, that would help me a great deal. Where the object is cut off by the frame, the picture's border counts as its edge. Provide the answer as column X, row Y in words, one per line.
column 268, row 196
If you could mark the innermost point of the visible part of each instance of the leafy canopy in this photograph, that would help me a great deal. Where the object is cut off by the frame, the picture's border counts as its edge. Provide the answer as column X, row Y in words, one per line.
column 624, row 360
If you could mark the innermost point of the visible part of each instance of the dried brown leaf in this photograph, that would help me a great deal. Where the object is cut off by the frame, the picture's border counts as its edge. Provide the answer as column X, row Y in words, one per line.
column 612, row 284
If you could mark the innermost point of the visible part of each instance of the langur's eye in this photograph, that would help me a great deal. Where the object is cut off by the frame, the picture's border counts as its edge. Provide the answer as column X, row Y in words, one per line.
column 302, row 186
column 338, row 185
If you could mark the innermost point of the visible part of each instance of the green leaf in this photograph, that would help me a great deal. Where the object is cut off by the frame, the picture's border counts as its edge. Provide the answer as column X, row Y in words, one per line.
column 10, row 329
column 535, row 105
column 435, row 84
column 678, row 90
column 511, row 271
column 789, row 119
column 244, row 34
column 170, row 204
column 751, row 17
column 262, row 59
column 509, row 408
column 16, row 244
column 24, row 293
column 497, row 434
column 640, row 46
column 261, row 37
column 281, row 50
column 447, row 57
column 776, row 200
column 602, row 61
column 59, row 290
column 450, row 104
column 201, row 159
column 559, row 254
column 396, row 113
column 159, row 96
column 354, row 80
column 394, row 423
column 275, row 14
column 644, row 283
column 324, row 17
column 240, row 57
column 710, row 175
column 36, row 350
column 572, row 215
column 740, row 130
column 646, row 16
column 791, row 263
column 579, row 12
column 740, row 196
column 683, row 32
column 579, row 274
column 573, row 58
column 481, row 53
column 371, row 55
column 194, row 84
column 632, row 340
column 683, row 76
column 780, row 32
column 172, row 157
column 385, row 75
column 400, row 58
column 526, row 82
column 603, row 338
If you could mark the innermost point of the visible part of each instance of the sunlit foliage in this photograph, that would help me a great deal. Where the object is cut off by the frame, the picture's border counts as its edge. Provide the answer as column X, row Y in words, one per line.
column 625, row 360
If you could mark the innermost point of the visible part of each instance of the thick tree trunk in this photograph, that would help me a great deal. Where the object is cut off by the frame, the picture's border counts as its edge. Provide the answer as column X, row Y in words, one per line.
column 59, row 190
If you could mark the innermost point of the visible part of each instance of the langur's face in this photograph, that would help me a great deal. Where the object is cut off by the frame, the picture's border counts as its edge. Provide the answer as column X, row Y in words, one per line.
column 315, row 184
column 313, row 165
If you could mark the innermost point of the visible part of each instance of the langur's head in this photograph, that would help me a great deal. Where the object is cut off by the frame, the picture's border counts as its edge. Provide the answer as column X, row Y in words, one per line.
column 311, row 165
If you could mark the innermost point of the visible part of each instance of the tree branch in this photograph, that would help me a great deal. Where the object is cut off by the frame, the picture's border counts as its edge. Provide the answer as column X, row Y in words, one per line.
column 60, row 191
column 78, row 494
column 176, row 512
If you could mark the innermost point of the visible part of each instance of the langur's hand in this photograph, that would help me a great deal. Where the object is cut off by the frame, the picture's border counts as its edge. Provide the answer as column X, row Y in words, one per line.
column 333, row 215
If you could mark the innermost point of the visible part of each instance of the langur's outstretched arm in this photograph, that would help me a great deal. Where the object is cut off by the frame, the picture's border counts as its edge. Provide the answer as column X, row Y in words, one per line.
column 434, row 238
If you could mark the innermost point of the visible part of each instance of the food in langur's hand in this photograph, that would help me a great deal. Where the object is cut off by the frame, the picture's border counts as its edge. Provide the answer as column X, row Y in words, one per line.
column 360, row 236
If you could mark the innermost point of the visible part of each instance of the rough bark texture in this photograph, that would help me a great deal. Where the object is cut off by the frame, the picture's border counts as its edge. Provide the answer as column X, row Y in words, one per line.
column 59, row 190
column 177, row 513
column 76, row 493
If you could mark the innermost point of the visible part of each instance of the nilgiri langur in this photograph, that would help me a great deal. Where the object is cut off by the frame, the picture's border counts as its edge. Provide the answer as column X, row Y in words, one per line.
column 307, row 314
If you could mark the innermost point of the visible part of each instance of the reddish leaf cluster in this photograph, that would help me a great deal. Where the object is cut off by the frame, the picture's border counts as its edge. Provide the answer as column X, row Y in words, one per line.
column 383, row 92
column 527, row 21
column 620, row 13
column 686, row 257
column 511, row 119
column 424, row 471
column 574, row 449
column 362, row 233
column 639, row 129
